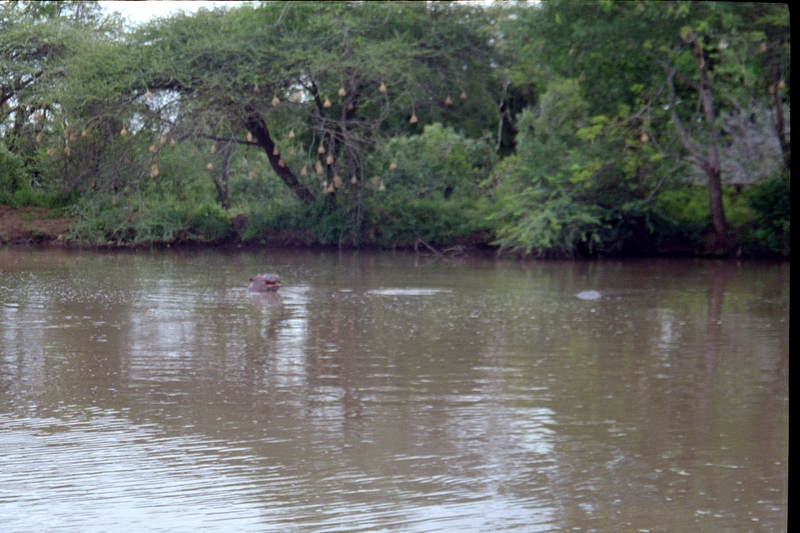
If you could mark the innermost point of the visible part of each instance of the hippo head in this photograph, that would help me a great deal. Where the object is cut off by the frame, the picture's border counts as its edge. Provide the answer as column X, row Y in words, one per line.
column 264, row 283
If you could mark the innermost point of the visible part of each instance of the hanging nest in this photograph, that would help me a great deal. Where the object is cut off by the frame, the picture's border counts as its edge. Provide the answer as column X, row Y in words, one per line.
column 341, row 91
column 354, row 180
column 256, row 89
column 318, row 167
column 350, row 106
column 148, row 94
column 249, row 137
column 171, row 142
column 275, row 151
column 374, row 180
column 413, row 118
column 154, row 171
column 329, row 159
column 297, row 97
column 123, row 131
column 210, row 166
column 37, row 116
column 213, row 148
column 281, row 163
column 275, row 100
column 84, row 133
column 321, row 149
column 337, row 181
column 392, row 165
column 463, row 95
column 162, row 140
column 382, row 88
column 153, row 148
column 382, row 187
column 67, row 151
column 304, row 171
column 51, row 152
column 39, row 137
column 251, row 174
column 643, row 137
column 448, row 100
column 292, row 151
column 327, row 103
column 291, row 134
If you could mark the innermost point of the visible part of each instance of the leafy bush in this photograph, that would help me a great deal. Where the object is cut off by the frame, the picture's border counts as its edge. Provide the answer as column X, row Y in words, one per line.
column 439, row 162
column 324, row 222
column 209, row 223
column 544, row 222
column 12, row 172
column 12, row 175
column 398, row 222
column 101, row 221
column 770, row 202
column 689, row 207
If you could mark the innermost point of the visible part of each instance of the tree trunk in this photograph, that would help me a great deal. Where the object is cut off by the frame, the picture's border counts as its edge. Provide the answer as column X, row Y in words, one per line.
column 780, row 127
column 711, row 164
column 255, row 124
column 222, row 184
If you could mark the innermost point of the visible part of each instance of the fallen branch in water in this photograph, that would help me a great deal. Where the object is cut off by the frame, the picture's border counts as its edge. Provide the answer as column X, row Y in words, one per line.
column 428, row 246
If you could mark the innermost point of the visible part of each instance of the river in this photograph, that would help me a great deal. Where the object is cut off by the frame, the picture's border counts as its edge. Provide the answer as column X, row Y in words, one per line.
column 149, row 391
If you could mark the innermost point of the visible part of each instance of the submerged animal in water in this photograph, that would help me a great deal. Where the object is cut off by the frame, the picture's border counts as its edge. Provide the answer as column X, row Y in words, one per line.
column 264, row 283
column 589, row 295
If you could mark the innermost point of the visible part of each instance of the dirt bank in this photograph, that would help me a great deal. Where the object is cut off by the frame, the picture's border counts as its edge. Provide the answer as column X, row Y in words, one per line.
column 31, row 224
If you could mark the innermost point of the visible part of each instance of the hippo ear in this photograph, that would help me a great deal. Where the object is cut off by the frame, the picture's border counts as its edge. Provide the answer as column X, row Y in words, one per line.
column 251, row 279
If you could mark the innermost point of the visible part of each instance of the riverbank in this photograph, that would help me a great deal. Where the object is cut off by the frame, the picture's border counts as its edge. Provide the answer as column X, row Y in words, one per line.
column 42, row 226
column 26, row 225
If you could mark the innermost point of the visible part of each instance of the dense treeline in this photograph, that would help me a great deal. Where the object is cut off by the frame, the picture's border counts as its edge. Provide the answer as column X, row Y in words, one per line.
column 557, row 128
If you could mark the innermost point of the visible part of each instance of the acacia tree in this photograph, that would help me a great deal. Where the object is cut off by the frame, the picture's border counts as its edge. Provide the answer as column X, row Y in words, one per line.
column 37, row 39
column 316, row 86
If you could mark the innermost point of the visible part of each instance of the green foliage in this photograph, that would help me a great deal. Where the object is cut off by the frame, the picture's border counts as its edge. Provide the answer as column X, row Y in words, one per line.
column 688, row 205
column 545, row 221
column 264, row 220
column 348, row 76
column 323, row 222
column 15, row 188
column 770, row 202
column 562, row 195
column 143, row 131
column 207, row 223
column 13, row 176
column 35, row 198
column 101, row 222
column 561, row 111
column 439, row 162
column 437, row 221
column 329, row 223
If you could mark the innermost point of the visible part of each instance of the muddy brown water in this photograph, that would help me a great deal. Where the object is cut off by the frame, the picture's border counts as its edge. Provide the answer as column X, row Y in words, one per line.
column 148, row 391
